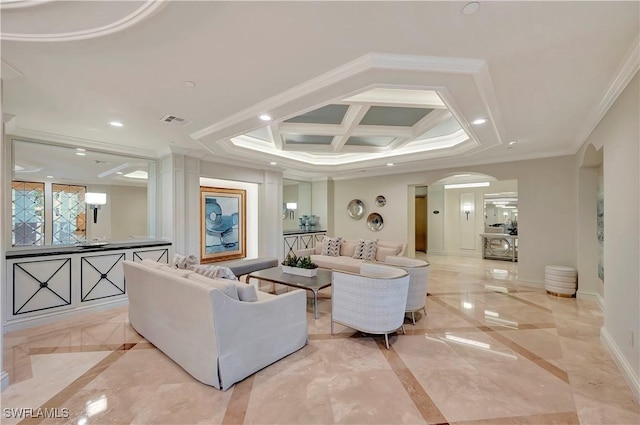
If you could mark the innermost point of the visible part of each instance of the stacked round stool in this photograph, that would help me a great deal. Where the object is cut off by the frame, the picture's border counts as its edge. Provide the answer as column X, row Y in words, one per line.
column 560, row 281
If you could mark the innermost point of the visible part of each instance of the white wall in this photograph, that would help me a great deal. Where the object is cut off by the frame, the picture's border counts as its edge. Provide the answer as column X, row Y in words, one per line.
column 619, row 133
column 129, row 212
column 546, row 209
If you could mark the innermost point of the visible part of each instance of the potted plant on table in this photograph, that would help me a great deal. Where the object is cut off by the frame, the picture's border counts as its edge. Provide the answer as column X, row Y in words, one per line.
column 302, row 266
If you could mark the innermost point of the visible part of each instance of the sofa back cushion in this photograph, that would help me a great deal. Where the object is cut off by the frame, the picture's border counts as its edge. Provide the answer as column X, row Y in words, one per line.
column 177, row 272
column 227, row 287
column 331, row 246
column 383, row 252
column 348, row 248
column 400, row 247
column 366, row 249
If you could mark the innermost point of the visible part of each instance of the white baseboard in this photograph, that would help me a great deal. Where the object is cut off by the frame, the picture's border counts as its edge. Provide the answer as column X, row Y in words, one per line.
column 44, row 319
column 621, row 362
column 591, row 296
column 4, row 380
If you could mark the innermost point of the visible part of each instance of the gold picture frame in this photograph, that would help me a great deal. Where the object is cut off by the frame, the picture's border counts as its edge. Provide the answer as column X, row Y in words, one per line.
column 223, row 226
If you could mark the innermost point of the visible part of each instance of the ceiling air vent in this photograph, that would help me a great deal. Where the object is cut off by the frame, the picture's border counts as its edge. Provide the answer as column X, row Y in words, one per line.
column 172, row 119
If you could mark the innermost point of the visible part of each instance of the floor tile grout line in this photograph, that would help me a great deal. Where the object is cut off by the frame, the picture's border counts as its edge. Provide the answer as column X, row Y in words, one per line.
column 534, row 358
column 419, row 396
column 82, row 381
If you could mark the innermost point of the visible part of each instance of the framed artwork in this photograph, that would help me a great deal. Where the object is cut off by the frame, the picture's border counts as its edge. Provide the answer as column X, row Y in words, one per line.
column 222, row 224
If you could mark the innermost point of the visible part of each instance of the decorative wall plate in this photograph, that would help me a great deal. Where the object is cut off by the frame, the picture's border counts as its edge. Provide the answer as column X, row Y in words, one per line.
column 356, row 209
column 375, row 222
column 381, row 201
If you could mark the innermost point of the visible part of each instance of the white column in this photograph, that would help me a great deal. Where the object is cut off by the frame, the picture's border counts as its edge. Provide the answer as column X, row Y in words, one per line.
column 4, row 172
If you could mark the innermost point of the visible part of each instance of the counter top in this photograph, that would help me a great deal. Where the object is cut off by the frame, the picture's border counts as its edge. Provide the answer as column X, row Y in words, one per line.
column 302, row 231
column 40, row 251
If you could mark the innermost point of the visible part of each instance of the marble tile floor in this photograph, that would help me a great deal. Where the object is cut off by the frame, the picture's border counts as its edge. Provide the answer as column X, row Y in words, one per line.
column 489, row 351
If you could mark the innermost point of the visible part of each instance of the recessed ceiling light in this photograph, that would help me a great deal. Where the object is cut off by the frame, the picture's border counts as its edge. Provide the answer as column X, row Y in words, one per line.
column 80, row 149
column 513, row 142
column 81, row 154
column 119, row 172
column 273, row 163
column 190, row 84
column 462, row 175
column 49, row 177
column 389, row 164
column 471, row 8
column 479, row 121
column 116, row 124
column 265, row 117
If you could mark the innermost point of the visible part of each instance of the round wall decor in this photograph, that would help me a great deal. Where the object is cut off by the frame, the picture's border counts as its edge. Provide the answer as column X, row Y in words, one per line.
column 375, row 222
column 381, row 201
column 356, row 209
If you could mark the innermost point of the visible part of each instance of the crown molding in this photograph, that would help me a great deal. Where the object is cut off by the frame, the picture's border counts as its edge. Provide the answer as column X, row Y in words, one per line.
column 147, row 9
column 19, row 4
column 625, row 72
column 43, row 136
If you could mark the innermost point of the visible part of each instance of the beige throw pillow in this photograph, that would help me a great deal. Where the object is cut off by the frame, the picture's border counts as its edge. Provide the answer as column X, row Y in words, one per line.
column 331, row 246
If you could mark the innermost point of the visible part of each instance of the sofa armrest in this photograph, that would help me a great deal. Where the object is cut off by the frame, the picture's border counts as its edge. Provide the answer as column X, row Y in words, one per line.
column 305, row 252
column 252, row 335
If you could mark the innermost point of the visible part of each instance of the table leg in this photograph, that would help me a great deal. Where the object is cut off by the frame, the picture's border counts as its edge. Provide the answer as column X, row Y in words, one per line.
column 315, row 304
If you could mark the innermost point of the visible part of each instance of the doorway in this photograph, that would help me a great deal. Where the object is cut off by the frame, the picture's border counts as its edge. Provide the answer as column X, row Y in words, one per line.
column 421, row 227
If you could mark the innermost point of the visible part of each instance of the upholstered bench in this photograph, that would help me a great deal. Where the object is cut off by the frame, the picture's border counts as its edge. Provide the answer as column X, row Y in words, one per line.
column 243, row 267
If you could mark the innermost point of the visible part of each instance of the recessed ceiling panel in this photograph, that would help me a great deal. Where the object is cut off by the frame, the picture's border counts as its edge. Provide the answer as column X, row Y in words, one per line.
column 376, row 141
column 394, row 116
column 330, row 114
column 306, row 139
column 261, row 133
column 446, row 127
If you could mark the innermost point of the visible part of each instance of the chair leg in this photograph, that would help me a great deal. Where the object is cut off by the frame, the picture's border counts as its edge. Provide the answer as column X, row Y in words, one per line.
column 424, row 310
column 332, row 327
column 413, row 317
column 403, row 331
column 386, row 340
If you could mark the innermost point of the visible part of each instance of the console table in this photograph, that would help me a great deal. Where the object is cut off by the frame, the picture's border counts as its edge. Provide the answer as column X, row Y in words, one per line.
column 293, row 240
column 47, row 283
column 499, row 246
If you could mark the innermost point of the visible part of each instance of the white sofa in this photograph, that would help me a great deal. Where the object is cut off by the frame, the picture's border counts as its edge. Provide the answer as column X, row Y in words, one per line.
column 219, row 340
column 345, row 261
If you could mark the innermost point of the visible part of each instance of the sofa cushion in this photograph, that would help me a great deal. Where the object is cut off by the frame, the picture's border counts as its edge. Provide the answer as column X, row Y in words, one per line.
column 246, row 292
column 227, row 287
column 343, row 263
column 400, row 247
column 366, row 249
column 331, row 246
column 348, row 248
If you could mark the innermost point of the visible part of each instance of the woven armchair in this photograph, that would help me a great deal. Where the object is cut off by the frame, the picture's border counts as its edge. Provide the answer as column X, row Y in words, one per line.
column 418, row 281
column 373, row 301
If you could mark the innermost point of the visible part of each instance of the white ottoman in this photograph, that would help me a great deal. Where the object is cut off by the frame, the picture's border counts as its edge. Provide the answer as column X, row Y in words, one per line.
column 560, row 281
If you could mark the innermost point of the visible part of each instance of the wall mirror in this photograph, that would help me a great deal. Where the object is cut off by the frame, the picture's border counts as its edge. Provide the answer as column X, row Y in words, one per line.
column 296, row 199
column 49, row 187
column 501, row 211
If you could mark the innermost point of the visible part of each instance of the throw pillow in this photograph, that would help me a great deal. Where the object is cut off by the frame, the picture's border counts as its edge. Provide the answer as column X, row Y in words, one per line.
column 383, row 252
column 366, row 249
column 183, row 262
column 246, row 292
column 348, row 248
column 213, row 271
column 226, row 287
column 331, row 246
column 179, row 272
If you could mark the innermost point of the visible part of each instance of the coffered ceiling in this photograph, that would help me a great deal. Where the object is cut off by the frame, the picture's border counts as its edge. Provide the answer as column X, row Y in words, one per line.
column 347, row 85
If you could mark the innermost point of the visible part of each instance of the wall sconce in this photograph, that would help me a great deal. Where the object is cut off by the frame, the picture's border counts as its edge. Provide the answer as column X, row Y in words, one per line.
column 94, row 200
column 467, row 209
column 291, row 209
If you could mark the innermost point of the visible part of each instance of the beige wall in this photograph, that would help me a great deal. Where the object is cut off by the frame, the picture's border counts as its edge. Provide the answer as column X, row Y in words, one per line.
column 546, row 207
column 619, row 134
column 129, row 212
